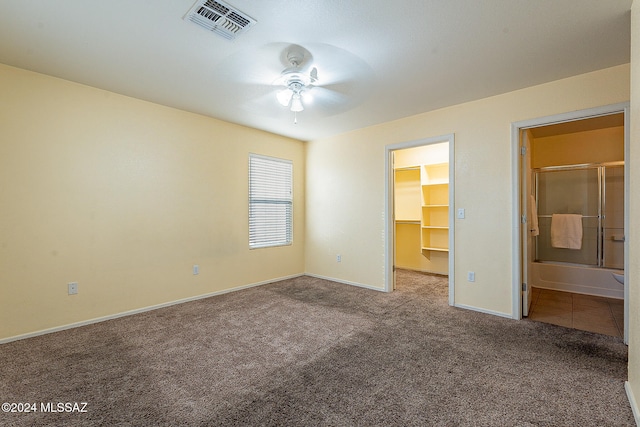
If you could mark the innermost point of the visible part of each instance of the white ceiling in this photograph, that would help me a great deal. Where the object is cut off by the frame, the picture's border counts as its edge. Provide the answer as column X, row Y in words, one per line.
column 420, row 54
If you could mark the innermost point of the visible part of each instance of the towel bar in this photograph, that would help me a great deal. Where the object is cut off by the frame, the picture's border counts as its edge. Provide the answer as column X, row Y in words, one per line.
column 583, row 216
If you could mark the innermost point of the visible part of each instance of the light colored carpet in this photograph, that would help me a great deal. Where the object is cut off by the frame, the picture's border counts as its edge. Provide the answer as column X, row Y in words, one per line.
column 306, row 352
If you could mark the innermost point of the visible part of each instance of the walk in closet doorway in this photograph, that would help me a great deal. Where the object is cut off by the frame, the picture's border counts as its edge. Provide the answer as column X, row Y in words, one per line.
column 419, row 208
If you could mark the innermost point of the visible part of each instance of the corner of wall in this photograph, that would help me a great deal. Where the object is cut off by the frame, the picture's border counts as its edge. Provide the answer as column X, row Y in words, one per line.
column 633, row 384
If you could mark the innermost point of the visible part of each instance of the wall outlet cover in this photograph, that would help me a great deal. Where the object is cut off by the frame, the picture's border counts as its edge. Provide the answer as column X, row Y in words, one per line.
column 73, row 288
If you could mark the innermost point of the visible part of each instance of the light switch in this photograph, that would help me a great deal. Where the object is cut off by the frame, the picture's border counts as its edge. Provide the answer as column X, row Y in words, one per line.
column 460, row 213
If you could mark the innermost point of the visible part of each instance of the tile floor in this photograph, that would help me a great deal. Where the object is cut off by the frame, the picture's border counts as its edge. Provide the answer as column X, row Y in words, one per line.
column 584, row 312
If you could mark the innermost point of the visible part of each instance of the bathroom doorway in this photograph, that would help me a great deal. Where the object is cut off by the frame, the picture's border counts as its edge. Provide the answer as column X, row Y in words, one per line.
column 419, row 208
column 571, row 168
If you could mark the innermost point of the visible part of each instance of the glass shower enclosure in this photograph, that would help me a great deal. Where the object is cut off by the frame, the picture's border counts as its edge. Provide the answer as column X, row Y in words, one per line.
column 596, row 192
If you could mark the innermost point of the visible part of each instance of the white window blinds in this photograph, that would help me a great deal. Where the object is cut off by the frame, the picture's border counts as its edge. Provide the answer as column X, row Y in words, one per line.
column 270, row 201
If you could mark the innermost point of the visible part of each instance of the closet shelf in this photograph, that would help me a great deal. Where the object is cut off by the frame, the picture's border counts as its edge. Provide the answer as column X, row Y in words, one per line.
column 435, row 249
column 422, row 194
column 435, row 206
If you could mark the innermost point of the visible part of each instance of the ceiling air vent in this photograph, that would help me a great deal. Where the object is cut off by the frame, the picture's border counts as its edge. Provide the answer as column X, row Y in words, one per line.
column 220, row 17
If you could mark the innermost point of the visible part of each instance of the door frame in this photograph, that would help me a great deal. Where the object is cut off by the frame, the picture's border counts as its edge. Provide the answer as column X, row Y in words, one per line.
column 516, row 175
column 526, row 246
column 389, row 226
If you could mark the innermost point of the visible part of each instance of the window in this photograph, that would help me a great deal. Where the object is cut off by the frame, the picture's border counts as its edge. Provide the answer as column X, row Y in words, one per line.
column 270, row 201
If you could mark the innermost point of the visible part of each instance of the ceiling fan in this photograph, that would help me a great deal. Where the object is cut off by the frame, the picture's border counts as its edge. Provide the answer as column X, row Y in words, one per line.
column 296, row 81
column 320, row 79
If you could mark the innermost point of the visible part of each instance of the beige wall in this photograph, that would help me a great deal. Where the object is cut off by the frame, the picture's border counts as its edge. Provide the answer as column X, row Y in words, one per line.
column 346, row 180
column 123, row 197
column 633, row 272
column 593, row 146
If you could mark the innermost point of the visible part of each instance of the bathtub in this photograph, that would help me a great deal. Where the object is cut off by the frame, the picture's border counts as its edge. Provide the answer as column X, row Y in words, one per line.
column 578, row 279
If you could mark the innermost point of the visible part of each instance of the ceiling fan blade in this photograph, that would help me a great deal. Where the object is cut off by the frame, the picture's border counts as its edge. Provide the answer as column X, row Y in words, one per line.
column 327, row 102
column 314, row 74
column 334, row 65
column 327, row 97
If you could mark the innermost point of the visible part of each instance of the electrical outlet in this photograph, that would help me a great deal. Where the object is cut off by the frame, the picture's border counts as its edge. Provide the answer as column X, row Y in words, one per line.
column 338, row 258
column 196, row 269
column 471, row 276
column 73, row 288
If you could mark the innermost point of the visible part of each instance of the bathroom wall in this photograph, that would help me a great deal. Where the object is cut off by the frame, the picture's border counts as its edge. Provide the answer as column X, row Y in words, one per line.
column 591, row 146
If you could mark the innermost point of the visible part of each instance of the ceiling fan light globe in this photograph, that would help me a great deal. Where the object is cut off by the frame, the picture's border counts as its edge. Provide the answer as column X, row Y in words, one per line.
column 296, row 104
column 284, row 97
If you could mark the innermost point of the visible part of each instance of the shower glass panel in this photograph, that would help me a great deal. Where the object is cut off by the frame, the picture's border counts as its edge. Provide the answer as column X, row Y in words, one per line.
column 613, row 218
column 569, row 191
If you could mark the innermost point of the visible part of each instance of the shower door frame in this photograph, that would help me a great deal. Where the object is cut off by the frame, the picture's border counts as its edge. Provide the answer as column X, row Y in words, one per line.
column 519, row 203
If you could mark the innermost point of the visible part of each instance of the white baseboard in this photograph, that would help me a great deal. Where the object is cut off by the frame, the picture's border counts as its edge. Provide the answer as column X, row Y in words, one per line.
column 482, row 310
column 632, row 402
column 346, row 282
column 211, row 294
column 140, row 310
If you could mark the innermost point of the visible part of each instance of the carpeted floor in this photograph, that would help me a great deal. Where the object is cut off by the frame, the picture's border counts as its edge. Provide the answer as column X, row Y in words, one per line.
column 307, row 352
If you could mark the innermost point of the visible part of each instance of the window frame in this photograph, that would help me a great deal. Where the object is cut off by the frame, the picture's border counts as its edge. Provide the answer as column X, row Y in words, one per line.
column 269, row 224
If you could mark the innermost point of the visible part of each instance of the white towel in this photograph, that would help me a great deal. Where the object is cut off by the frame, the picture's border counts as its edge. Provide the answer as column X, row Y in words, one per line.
column 566, row 231
column 533, row 217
